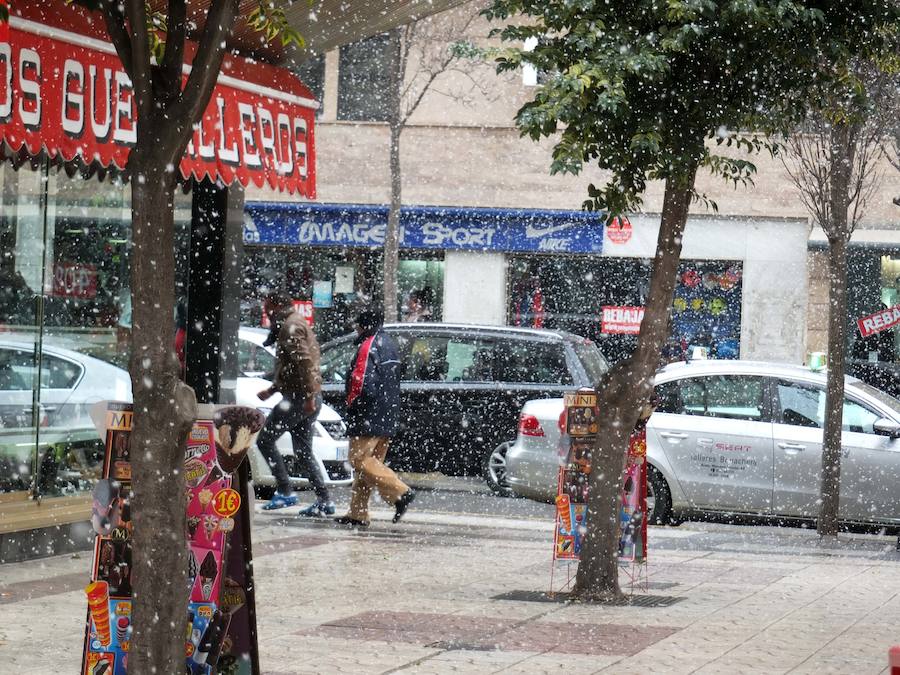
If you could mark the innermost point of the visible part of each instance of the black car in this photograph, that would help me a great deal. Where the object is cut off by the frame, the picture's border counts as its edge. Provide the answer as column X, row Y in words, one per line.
column 463, row 387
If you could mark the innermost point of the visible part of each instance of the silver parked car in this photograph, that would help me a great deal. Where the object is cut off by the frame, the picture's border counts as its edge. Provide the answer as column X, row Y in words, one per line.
column 740, row 437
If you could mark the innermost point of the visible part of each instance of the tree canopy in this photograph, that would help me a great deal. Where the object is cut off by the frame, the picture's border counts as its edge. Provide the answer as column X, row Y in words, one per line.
column 637, row 86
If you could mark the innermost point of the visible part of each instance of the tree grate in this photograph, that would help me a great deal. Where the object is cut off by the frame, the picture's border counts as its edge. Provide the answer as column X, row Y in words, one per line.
column 563, row 597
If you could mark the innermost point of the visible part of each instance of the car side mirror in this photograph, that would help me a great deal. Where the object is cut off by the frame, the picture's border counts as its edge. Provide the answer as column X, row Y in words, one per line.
column 887, row 427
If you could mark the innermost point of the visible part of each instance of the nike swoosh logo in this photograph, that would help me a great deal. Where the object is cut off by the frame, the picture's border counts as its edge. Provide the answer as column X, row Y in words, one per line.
column 536, row 231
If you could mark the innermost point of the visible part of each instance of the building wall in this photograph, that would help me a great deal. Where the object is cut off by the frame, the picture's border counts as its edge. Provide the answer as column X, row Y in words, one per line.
column 475, row 287
column 817, row 308
column 463, row 150
column 774, row 292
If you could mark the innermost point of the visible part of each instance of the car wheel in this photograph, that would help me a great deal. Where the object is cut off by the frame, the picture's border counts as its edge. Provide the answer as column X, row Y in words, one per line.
column 659, row 498
column 494, row 470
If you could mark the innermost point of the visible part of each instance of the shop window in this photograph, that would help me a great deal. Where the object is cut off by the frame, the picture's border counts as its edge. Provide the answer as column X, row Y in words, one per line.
column 352, row 277
column 364, row 79
column 420, row 281
column 570, row 292
column 64, row 290
column 312, row 73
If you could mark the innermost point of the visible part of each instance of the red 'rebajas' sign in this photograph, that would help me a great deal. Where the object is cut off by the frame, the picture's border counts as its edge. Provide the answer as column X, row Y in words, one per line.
column 879, row 321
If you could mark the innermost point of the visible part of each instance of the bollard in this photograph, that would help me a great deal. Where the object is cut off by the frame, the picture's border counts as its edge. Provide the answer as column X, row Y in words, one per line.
column 894, row 660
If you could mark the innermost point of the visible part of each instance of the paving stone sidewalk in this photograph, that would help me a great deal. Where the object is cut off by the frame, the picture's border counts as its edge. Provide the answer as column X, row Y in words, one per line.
column 422, row 597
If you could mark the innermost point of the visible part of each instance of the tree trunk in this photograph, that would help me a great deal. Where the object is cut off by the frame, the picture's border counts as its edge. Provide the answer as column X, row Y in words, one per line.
column 164, row 409
column 621, row 395
column 392, row 235
column 834, row 396
column 838, row 231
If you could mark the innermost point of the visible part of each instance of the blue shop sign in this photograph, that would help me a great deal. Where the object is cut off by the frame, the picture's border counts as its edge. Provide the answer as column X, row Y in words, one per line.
column 429, row 227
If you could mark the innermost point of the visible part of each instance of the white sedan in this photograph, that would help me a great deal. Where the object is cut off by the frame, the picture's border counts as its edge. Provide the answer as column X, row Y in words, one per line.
column 71, row 382
column 330, row 442
column 740, row 437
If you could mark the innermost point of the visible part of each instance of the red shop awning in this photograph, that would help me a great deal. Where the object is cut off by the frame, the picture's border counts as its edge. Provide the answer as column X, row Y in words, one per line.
column 64, row 93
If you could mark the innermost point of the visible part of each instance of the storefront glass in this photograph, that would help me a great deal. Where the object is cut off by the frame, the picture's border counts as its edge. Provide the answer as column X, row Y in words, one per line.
column 570, row 293
column 65, row 322
column 339, row 282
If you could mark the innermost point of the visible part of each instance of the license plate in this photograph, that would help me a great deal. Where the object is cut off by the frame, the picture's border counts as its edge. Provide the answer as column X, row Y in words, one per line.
column 341, row 453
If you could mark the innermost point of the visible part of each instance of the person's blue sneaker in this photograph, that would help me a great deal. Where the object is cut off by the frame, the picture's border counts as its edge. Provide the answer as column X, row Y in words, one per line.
column 318, row 509
column 279, row 501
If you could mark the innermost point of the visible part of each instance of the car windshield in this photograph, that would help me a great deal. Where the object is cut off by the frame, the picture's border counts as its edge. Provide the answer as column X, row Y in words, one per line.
column 594, row 364
column 880, row 396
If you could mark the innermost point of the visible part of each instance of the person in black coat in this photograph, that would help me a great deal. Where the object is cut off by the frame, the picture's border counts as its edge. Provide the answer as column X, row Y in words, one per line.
column 372, row 416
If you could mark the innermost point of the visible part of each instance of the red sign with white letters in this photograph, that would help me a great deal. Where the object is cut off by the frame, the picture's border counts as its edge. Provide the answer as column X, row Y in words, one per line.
column 619, row 230
column 621, row 320
column 69, row 95
column 303, row 307
column 879, row 321
column 74, row 280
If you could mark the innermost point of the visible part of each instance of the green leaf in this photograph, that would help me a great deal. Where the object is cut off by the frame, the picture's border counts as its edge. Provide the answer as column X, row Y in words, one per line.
column 638, row 86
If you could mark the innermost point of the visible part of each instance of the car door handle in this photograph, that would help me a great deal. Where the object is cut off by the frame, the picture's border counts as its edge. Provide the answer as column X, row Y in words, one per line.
column 792, row 447
column 673, row 434
column 704, row 441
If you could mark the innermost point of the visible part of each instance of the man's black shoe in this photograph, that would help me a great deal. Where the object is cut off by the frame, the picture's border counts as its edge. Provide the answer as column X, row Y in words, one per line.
column 402, row 504
column 347, row 520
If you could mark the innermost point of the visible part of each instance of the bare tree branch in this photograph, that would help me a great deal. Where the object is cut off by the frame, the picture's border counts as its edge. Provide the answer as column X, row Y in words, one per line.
column 432, row 39
column 208, row 60
column 812, row 154
column 173, row 58
column 141, row 78
column 114, row 18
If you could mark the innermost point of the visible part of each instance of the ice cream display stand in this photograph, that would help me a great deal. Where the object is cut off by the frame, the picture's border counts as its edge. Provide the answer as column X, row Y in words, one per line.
column 579, row 435
column 220, row 626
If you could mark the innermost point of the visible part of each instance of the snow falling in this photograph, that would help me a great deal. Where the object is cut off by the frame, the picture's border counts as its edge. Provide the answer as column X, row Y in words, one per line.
column 473, row 337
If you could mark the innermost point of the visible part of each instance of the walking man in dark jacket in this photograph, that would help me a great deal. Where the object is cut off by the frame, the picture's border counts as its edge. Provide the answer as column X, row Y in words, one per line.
column 299, row 381
column 373, row 409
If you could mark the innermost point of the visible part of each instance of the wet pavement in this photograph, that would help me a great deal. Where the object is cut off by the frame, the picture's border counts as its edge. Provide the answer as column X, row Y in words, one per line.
column 461, row 586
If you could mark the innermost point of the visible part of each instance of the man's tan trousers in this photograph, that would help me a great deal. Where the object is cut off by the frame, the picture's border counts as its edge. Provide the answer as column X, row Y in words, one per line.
column 367, row 455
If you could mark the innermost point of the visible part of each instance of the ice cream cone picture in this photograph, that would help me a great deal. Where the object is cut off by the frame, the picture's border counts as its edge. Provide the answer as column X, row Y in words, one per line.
column 192, row 568
column 192, row 523
column 208, row 573
column 105, row 511
column 236, row 429
column 205, row 497
column 565, row 512
column 98, row 604
column 210, row 523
